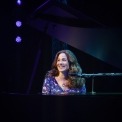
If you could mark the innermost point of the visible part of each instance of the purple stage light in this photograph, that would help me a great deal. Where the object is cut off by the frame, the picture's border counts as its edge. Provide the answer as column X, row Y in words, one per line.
column 18, row 23
column 18, row 39
column 19, row 2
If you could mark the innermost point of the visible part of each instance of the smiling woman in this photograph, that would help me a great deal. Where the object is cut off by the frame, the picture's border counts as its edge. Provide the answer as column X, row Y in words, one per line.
column 58, row 81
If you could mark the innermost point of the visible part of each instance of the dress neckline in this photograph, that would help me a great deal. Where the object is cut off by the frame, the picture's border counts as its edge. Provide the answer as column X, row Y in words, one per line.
column 59, row 85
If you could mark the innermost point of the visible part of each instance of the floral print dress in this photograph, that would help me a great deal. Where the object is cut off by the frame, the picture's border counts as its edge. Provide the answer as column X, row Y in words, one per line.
column 51, row 87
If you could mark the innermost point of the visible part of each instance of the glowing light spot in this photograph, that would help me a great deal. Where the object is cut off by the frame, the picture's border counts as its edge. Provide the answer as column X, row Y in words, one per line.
column 18, row 39
column 18, row 23
column 19, row 2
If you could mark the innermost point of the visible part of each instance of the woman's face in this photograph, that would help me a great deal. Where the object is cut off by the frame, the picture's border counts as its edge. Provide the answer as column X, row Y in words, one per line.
column 62, row 62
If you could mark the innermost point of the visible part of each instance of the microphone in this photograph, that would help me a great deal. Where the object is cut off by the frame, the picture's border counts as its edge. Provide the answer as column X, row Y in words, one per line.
column 75, row 74
column 81, row 75
column 93, row 75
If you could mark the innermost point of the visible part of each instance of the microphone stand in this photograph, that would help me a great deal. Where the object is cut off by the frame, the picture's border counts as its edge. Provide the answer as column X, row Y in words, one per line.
column 93, row 92
column 97, row 75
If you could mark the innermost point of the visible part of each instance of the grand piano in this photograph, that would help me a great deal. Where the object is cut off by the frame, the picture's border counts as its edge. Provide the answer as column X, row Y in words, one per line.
column 89, row 36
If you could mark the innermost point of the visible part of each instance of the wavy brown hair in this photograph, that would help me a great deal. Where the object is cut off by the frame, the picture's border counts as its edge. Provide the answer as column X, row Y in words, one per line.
column 74, row 67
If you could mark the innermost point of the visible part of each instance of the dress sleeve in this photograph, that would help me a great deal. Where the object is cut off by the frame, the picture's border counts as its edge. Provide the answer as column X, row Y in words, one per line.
column 46, row 86
column 83, row 89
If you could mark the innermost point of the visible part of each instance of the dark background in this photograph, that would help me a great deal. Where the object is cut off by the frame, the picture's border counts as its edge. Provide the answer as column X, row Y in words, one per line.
column 23, row 67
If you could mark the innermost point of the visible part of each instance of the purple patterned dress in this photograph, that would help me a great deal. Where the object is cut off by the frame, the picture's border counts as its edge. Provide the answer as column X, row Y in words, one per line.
column 51, row 87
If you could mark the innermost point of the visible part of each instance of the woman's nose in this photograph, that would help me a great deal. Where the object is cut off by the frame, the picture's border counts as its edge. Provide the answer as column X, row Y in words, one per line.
column 60, row 62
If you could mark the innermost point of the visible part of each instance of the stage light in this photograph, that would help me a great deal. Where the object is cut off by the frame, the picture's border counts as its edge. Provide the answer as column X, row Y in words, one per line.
column 18, row 23
column 19, row 2
column 18, row 39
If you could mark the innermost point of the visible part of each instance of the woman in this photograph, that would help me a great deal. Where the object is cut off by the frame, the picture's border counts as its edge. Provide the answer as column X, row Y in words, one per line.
column 59, row 81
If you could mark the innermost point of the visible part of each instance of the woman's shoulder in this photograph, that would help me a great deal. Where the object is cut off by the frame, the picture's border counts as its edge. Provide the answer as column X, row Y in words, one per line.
column 49, row 80
column 49, row 77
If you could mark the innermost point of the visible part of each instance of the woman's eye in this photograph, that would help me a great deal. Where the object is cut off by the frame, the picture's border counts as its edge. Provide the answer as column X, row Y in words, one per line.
column 64, row 59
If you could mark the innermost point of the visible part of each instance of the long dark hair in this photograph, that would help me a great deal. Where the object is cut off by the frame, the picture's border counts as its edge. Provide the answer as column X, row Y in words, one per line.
column 74, row 67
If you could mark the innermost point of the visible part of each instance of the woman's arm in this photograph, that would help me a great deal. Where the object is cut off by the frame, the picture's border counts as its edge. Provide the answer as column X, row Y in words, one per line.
column 46, row 87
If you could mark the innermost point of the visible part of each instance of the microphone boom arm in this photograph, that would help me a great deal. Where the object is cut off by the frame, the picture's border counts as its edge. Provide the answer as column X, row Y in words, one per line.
column 95, row 74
